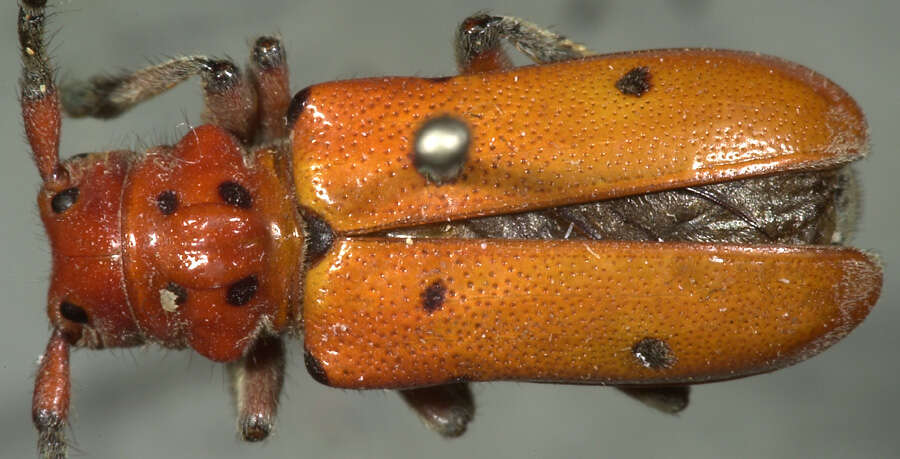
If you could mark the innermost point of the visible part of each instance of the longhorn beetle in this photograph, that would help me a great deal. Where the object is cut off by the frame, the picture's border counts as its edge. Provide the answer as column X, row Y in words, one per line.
column 646, row 220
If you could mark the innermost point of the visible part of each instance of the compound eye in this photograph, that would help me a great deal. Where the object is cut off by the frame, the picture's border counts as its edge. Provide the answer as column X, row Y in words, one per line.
column 64, row 199
column 73, row 312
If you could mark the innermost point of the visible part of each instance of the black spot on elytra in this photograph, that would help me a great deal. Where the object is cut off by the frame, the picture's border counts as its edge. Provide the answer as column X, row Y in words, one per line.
column 433, row 296
column 167, row 201
column 298, row 103
column 636, row 82
column 235, row 195
column 315, row 369
column 319, row 236
column 180, row 292
column 653, row 353
column 64, row 199
column 240, row 292
column 73, row 312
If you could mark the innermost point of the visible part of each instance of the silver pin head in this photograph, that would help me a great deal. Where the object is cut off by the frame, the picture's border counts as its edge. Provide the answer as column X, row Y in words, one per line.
column 441, row 149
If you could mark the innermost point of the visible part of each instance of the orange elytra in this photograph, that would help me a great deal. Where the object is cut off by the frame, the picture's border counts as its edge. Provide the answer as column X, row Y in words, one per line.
column 634, row 219
column 558, row 134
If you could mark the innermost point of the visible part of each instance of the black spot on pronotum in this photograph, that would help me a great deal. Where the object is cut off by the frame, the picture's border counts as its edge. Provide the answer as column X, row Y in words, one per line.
column 298, row 103
column 180, row 292
column 235, row 195
column 433, row 296
column 64, row 199
column 240, row 292
column 219, row 76
column 319, row 236
column 73, row 312
column 441, row 148
column 167, row 201
column 636, row 82
column 268, row 53
column 653, row 353
column 315, row 369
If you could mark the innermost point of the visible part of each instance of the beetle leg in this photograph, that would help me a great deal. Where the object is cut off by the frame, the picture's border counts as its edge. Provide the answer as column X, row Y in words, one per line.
column 50, row 405
column 446, row 409
column 39, row 97
column 229, row 98
column 667, row 399
column 269, row 71
column 257, row 380
column 478, row 47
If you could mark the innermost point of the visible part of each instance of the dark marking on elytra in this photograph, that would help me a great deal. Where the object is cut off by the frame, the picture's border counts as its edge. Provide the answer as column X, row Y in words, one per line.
column 235, row 195
column 297, row 105
column 181, row 293
column 64, row 199
column 636, row 82
column 319, row 236
column 653, row 353
column 167, row 201
column 73, row 312
column 433, row 296
column 315, row 368
column 240, row 292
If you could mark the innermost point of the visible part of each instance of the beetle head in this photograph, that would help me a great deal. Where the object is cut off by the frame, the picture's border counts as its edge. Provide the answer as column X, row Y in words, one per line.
column 80, row 212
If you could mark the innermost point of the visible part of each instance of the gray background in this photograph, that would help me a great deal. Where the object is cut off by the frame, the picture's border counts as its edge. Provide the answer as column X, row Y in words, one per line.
column 155, row 404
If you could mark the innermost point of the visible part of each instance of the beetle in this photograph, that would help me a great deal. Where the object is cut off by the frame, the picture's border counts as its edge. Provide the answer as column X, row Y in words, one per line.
column 622, row 219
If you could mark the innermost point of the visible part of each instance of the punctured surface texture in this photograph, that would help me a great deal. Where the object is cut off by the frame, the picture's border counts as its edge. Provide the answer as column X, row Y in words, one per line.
column 574, row 311
column 563, row 133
